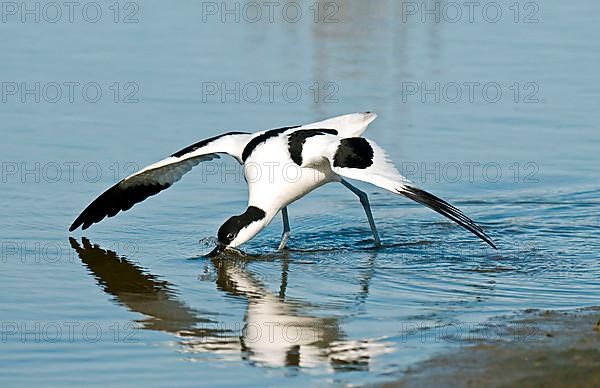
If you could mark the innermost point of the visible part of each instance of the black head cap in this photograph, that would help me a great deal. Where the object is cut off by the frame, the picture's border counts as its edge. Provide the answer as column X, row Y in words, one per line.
column 230, row 229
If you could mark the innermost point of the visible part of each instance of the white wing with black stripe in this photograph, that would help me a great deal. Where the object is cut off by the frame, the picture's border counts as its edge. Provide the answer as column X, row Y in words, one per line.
column 362, row 159
column 159, row 176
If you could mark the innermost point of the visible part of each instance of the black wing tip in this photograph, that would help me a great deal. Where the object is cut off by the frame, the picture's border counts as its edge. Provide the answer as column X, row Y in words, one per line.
column 80, row 221
column 487, row 239
column 87, row 218
column 447, row 210
column 114, row 200
column 77, row 223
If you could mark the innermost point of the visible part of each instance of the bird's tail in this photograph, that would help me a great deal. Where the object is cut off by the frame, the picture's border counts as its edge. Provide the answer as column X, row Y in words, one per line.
column 353, row 124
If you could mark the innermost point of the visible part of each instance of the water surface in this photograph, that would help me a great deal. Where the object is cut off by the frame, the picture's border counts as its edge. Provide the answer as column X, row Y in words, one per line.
column 133, row 301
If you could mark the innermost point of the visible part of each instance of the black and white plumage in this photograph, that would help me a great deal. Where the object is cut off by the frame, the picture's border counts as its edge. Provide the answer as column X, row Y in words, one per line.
column 281, row 166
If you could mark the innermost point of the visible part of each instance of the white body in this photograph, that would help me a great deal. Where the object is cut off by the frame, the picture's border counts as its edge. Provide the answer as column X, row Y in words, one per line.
column 275, row 181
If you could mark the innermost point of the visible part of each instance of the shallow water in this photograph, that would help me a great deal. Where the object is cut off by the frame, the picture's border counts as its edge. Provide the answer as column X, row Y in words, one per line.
column 135, row 302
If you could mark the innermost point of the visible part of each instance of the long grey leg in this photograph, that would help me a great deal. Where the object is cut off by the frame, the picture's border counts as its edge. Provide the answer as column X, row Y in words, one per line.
column 364, row 200
column 286, row 229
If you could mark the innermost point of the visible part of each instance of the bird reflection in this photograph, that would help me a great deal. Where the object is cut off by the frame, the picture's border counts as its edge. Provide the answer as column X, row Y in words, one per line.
column 276, row 331
column 142, row 292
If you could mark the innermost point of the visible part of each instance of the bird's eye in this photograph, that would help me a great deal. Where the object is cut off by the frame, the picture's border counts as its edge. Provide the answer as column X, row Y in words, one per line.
column 229, row 236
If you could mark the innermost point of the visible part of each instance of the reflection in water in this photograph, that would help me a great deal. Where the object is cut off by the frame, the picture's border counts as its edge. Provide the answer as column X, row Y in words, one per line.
column 142, row 292
column 276, row 331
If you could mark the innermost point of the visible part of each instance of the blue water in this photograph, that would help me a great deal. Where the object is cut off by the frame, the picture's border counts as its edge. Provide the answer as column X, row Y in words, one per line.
column 136, row 303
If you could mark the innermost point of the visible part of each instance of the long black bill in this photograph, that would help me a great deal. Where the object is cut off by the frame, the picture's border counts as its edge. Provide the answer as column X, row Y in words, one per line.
column 217, row 251
column 445, row 209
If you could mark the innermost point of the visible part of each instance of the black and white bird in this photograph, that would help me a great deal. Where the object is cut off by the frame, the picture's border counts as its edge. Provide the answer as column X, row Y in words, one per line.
column 281, row 166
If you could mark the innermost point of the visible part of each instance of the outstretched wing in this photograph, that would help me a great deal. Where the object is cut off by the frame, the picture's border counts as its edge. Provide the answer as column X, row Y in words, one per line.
column 362, row 159
column 158, row 177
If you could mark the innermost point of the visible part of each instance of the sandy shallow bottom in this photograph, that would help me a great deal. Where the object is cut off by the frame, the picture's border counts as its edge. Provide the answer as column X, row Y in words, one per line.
column 532, row 349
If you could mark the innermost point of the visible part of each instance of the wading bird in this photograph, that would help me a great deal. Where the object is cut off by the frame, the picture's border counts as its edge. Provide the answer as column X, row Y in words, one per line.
column 281, row 166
